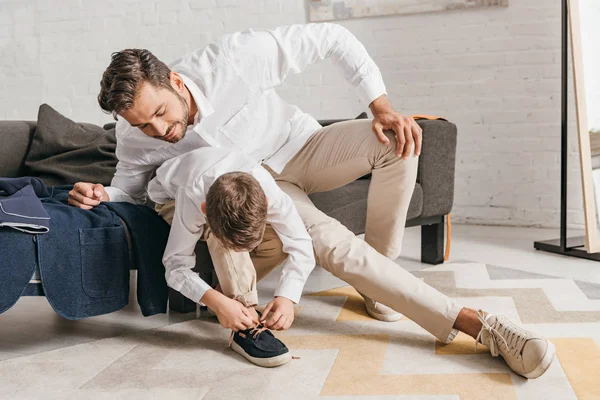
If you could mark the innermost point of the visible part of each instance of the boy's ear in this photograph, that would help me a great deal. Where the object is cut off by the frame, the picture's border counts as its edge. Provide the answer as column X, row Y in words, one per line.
column 203, row 208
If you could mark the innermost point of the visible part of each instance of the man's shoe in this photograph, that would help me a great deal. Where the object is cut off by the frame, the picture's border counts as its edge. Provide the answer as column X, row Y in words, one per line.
column 259, row 346
column 379, row 311
column 525, row 353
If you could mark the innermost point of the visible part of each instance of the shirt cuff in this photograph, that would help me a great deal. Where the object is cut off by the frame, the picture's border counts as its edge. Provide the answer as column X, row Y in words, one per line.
column 193, row 288
column 291, row 289
column 370, row 88
column 116, row 194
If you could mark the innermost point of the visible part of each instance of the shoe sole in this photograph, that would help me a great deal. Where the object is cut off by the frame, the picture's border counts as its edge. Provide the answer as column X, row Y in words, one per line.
column 544, row 364
column 384, row 317
column 263, row 362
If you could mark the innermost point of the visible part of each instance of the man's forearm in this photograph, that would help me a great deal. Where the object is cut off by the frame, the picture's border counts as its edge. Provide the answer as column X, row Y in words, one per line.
column 116, row 194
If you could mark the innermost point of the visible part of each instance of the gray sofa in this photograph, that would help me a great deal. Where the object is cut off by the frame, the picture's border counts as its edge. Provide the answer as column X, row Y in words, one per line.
column 432, row 199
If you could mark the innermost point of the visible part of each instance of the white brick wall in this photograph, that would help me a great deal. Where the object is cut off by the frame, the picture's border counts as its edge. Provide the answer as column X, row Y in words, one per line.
column 494, row 72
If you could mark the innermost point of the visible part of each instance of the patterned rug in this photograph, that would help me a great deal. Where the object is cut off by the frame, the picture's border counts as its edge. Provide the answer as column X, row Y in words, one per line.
column 343, row 353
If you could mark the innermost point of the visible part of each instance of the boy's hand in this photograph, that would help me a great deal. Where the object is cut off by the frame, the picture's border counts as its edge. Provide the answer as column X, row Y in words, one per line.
column 231, row 313
column 283, row 314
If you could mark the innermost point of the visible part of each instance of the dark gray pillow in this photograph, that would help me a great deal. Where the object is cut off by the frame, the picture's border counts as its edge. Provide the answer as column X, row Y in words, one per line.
column 65, row 152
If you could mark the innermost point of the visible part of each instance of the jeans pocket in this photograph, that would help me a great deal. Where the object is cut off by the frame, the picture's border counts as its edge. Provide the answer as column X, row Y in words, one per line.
column 104, row 261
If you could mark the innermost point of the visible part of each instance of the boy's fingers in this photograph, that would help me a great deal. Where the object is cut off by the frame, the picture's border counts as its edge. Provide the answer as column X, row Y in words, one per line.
column 266, row 312
column 247, row 323
column 274, row 322
column 281, row 324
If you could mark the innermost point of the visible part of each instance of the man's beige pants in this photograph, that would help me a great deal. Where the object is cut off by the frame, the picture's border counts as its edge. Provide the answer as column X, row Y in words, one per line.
column 334, row 156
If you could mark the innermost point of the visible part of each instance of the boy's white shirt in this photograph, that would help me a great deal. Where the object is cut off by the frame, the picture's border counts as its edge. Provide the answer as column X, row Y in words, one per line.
column 186, row 179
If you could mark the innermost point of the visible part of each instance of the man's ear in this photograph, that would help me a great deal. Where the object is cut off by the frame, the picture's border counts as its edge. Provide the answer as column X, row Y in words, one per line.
column 203, row 208
column 177, row 82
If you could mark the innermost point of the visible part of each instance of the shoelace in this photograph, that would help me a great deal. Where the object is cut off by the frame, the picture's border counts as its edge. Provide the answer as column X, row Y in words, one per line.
column 257, row 330
column 516, row 336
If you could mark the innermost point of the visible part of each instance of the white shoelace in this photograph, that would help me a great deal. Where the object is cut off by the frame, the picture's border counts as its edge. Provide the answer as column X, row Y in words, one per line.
column 513, row 337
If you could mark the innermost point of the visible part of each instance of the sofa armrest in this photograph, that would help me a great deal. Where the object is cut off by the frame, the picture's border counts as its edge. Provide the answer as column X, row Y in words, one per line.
column 436, row 166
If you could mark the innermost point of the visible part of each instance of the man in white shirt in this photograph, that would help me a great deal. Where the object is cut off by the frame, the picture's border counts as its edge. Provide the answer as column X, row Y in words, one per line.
column 230, row 201
column 223, row 95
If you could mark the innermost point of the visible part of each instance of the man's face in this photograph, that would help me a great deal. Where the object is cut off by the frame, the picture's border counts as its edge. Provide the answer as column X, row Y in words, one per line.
column 159, row 113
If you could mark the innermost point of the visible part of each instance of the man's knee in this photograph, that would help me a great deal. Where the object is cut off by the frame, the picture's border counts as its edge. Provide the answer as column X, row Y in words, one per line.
column 331, row 241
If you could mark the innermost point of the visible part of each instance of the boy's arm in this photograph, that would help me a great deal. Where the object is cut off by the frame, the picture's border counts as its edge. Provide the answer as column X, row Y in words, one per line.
column 179, row 258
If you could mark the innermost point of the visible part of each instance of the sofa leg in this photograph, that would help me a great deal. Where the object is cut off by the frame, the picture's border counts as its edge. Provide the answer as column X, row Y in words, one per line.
column 432, row 243
column 180, row 303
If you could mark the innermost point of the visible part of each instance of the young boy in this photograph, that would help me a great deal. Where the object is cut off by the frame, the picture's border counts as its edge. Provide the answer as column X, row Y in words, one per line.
column 250, row 227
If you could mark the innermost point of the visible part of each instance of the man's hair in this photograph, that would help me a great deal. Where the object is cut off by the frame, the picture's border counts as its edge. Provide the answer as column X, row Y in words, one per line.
column 128, row 70
column 236, row 211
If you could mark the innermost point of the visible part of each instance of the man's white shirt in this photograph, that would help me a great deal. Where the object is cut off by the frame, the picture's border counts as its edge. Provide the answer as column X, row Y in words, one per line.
column 187, row 179
column 233, row 83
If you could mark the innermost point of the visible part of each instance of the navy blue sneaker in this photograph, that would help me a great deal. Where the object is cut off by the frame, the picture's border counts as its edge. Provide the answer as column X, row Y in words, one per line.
column 259, row 346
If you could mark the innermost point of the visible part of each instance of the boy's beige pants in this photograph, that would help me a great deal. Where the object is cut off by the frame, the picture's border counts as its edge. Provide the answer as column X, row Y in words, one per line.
column 334, row 156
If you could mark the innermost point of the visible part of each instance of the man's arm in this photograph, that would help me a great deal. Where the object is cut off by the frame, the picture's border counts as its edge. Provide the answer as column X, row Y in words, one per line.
column 267, row 57
column 129, row 183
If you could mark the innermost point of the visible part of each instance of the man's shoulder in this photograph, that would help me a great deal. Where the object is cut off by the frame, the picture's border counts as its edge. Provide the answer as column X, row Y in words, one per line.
column 203, row 60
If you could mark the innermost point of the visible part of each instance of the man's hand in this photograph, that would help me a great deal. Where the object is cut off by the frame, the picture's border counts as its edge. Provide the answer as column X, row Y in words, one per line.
column 231, row 313
column 283, row 314
column 406, row 129
column 86, row 195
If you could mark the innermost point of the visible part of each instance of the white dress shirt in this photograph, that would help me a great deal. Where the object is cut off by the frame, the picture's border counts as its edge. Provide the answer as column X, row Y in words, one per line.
column 186, row 179
column 233, row 83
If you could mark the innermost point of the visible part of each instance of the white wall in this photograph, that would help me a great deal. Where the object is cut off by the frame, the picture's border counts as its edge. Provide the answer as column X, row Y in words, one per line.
column 494, row 72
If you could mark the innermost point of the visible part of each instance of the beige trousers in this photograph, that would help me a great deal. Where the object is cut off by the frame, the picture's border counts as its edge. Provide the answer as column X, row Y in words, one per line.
column 332, row 157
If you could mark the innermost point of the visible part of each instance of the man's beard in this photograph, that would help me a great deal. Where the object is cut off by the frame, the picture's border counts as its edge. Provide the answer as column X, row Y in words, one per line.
column 183, row 122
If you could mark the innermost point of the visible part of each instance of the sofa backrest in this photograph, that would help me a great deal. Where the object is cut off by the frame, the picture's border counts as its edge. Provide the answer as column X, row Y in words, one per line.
column 15, row 138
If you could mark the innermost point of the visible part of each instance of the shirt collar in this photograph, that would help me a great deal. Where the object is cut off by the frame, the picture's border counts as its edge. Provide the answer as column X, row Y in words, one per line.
column 204, row 106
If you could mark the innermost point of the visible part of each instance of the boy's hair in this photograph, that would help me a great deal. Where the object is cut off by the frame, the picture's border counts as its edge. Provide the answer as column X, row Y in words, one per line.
column 129, row 69
column 236, row 211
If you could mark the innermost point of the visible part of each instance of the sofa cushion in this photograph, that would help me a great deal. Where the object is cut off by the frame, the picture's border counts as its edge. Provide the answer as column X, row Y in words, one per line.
column 348, row 204
column 15, row 137
column 65, row 152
